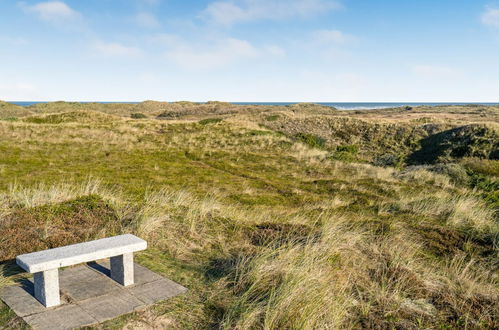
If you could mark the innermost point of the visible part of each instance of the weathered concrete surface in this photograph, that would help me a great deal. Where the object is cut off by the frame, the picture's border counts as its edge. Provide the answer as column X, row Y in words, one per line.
column 122, row 269
column 111, row 305
column 21, row 299
column 153, row 292
column 63, row 318
column 47, row 287
column 82, row 283
column 79, row 253
column 89, row 296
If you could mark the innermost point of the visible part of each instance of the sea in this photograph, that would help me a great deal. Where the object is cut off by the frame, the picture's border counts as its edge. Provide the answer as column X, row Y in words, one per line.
column 337, row 105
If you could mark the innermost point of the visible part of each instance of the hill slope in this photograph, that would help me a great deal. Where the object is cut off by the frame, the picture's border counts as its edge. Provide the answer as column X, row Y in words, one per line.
column 273, row 217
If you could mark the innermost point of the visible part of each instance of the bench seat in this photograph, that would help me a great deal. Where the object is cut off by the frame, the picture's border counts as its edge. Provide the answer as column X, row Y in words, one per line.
column 80, row 253
column 45, row 264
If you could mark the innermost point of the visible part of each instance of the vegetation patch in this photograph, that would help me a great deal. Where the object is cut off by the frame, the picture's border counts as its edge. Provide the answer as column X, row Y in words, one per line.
column 69, row 117
column 265, row 234
column 267, row 230
column 312, row 140
column 466, row 141
column 208, row 121
column 25, row 230
column 138, row 115
column 272, row 117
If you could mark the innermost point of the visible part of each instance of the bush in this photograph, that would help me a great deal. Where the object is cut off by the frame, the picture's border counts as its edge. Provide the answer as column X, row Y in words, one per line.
column 465, row 141
column 312, row 140
column 455, row 172
column 343, row 156
column 350, row 148
column 345, row 152
column 138, row 115
column 483, row 166
column 210, row 121
column 389, row 160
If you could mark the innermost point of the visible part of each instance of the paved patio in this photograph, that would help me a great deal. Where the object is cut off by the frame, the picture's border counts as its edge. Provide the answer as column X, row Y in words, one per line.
column 89, row 296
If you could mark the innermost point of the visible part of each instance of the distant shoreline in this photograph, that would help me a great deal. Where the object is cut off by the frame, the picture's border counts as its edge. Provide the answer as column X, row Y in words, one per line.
column 337, row 105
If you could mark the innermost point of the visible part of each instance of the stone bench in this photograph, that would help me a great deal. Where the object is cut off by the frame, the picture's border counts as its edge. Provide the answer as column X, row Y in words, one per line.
column 45, row 264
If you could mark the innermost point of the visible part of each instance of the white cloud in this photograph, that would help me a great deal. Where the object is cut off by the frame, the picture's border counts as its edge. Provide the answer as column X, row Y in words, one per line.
column 147, row 20
column 435, row 72
column 331, row 37
column 52, row 11
column 275, row 51
column 165, row 39
column 114, row 49
column 228, row 12
column 225, row 52
column 491, row 17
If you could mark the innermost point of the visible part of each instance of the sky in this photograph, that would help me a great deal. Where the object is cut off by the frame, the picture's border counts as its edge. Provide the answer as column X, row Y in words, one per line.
column 250, row 50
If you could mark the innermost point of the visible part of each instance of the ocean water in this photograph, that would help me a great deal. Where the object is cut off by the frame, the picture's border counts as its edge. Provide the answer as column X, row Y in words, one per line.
column 337, row 105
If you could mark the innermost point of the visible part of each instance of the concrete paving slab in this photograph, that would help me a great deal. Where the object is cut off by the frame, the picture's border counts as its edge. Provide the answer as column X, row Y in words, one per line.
column 111, row 305
column 153, row 292
column 65, row 317
column 142, row 274
column 80, row 283
column 21, row 299
column 89, row 296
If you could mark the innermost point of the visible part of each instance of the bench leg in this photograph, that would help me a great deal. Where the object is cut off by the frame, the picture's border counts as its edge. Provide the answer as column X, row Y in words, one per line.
column 47, row 287
column 122, row 269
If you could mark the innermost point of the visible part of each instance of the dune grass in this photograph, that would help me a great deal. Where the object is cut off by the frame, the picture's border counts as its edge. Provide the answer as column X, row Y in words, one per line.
column 264, row 229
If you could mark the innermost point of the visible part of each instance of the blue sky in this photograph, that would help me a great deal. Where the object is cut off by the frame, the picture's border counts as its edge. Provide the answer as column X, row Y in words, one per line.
column 250, row 50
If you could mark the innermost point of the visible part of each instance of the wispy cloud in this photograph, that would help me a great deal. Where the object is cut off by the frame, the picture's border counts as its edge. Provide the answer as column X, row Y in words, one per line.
column 228, row 12
column 435, row 71
column 147, row 20
column 114, row 49
column 225, row 52
column 491, row 17
column 52, row 11
column 275, row 51
column 212, row 54
column 331, row 37
column 165, row 39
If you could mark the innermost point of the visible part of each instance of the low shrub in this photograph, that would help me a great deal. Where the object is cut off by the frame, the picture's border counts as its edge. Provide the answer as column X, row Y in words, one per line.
column 455, row 172
column 389, row 159
column 350, row 148
column 312, row 140
column 138, row 115
column 482, row 166
column 210, row 121
column 25, row 230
